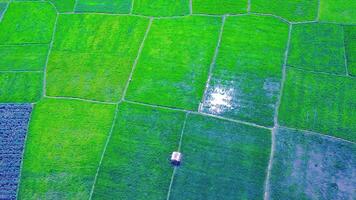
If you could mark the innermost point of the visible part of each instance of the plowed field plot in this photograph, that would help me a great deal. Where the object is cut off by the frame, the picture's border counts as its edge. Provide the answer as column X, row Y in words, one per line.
column 14, row 120
column 258, row 96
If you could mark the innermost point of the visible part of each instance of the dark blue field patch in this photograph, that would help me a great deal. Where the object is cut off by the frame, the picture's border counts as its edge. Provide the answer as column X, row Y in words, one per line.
column 14, row 120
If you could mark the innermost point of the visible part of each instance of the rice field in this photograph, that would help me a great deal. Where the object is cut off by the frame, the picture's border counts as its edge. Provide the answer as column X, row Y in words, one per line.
column 259, row 97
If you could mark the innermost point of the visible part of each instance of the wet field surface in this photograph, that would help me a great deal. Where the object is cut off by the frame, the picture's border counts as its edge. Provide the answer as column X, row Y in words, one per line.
column 14, row 120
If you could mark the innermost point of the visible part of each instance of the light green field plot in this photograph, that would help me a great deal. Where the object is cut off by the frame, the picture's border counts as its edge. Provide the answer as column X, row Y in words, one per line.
column 219, row 6
column 92, row 55
column 174, row 64
column 319, row 102
column 161, row 7
column 350, row 46
column 309, row 166
column 27, row 22
column 136, row 163
column 222, row 160
column 246, row 79
column 24, row 57
column 20, row 86
column 110, row 6
column 340, row 11
column 318, row 47
column 292, row 10
column 62, row 157
column 64, row 5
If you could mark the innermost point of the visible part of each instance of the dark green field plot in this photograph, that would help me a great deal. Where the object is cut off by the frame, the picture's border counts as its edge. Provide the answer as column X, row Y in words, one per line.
column 308, row 166
column 20, row 86
column 62, row 157
column 136, row 163
column 174, row 64
column 319, row 102
column 27, row 22
column 109, row 6
column 161, row 7
column 219, row 6
column 292, row 10
column 92, row 55
column 246, row 79
column 64, row 5
column 23, row 57
column 340, row 11
column 222, row 160
column 350, row 46
column 318, row 47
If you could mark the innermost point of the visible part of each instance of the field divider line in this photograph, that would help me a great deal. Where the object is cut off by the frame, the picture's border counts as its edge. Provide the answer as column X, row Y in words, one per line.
column 318, row 12
column 54, row 6
column 248, row 6
column 21, row 71
column 179, row 148
column 316, row 72
column 79, row 99
column 132, row 6
column 191, row 7
column 318, row 134
column 136, row 59
column 3, row 13
column 345, row 56
column 104, row 150
column 75, row 6
column 275, row 119
column 23, row 151
column 48, row 54
column 212, row 64
column 198, row 113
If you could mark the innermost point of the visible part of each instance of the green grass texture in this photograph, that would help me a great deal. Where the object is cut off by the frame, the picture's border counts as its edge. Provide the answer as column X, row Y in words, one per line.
column 27, row 22
column 339, row 11
column 246, row 80
column 161, row 7
column 219, row 6
column 221, row 160
column 62, row 157
column 318, row 47
column 292, row 10
column 136, row 162
column 319, row 102
column 64, row 5
column 97, row 65
column 311, row 166
column 173, row 67
column 20, row 87
column 109, row 6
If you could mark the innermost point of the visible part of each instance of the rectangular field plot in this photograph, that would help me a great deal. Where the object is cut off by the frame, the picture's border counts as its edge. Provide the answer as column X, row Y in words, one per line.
column 24, row 57
column 219, row 6
column 222, row 160
column 14, row 120
column 319, row 102
column 174, row 64
column 340, row 11
column 161, row 7
column 318, row 47
column 311, row 166
column 65, row 142
column 292, row 10
column 350, row 46
column 27, row 22
column 20, row 86
column 109, row 6
column 92, row 55
column 64, row 5
column 136, row 163
column 246, row 79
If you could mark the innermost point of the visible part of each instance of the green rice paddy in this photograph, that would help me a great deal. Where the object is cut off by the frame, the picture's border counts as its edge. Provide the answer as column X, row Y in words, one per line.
column 259, row 96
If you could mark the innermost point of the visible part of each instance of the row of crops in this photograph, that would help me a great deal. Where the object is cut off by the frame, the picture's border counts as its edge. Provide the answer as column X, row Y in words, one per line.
column 14, row 120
